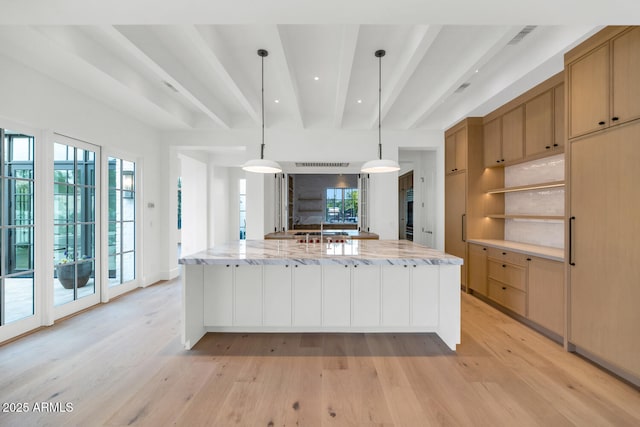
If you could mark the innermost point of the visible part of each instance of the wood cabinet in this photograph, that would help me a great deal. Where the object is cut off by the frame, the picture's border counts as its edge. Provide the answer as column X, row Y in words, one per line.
column 546, row 293
column 604, row 238
column 465, row 201
column 604, row 87
column 456, row 152
column 513, row 135
column 493, row 143
column 604, row 199
column 507, row 272
column 478, row 269
column 558, row 117
column 539, row 131
column 455, row 219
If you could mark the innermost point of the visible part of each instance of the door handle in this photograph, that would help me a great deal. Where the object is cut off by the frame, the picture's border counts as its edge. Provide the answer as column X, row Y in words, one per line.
column 571, row 222
column 464, row 228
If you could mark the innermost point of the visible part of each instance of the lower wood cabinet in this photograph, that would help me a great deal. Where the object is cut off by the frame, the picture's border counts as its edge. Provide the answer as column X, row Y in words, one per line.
column 527, row 285
column 546, row 294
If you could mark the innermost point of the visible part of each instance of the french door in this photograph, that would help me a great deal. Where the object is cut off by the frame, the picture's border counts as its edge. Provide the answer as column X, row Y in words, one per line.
column 76, row 202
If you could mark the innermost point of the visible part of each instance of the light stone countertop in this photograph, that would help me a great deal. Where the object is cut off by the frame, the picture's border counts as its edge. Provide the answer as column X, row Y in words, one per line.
column 281, row 252
column 553, row 254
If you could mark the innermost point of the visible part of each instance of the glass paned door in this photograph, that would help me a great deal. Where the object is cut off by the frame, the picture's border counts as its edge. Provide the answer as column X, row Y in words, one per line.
column 122, row 221
column 17, row 223
column 74, row 209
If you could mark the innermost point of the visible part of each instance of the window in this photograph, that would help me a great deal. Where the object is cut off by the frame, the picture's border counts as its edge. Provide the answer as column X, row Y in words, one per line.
column 122, row 225
column 243, row 209
column 341, row 205
column 16, row 226
column 74, row 223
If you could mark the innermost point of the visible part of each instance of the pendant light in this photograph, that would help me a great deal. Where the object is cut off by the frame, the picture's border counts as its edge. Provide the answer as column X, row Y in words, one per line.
column 262, row 165
column 380, row 165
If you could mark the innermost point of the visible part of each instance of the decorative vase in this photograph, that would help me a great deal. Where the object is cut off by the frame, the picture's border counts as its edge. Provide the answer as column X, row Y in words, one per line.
column 66, row 274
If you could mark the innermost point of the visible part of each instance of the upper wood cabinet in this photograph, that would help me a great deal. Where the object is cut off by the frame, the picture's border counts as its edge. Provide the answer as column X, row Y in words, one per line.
column 513, row 134
column 604, row 89
column 558, row 116
column 493, row 143
column 539, row 132
column 528, row 127
column 456, row 152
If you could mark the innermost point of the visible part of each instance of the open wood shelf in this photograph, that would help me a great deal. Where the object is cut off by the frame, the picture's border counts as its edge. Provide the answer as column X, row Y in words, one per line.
column 542, row 185
column 500, row 216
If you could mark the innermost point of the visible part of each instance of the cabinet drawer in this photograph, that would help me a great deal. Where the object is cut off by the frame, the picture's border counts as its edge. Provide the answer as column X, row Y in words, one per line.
column 511, row 298
column 509, row 274
column 507, row 256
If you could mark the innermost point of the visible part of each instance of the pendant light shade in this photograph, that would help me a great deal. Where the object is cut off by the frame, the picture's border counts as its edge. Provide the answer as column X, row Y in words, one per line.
column 262, row 165
column 380, row 165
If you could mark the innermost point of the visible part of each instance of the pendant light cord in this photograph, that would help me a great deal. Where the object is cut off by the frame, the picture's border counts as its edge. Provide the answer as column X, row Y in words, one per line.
column 262, row 146
column 379, row 107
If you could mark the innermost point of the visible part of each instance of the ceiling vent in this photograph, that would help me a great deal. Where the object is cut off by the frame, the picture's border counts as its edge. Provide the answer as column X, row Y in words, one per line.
column 462, row 87
column 522, row 34
column 321, row 165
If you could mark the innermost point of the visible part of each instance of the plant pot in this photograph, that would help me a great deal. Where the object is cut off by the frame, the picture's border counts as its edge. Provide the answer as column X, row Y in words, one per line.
column 66, row 274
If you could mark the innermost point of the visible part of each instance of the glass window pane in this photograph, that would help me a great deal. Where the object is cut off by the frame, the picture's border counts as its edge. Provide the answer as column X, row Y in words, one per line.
column 85, row 242
column 63, row 243
column 128, row 236
column 118, row 172
column 128, row 209
column 114, row 270
column 62, row 152
column 86, row 281
column 19, row 297
column 112, row 239
column 112, row 174
column 63, row 204
column 85, row 204
column 86, row 167
column 20, row 249
column 128, row 267
column 20, row 195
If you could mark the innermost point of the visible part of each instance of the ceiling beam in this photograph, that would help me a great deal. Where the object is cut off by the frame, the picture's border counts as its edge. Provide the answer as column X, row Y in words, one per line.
column 284, row 68
column 422, row 37
column 78, row 43
column 168, row 70
column 463, row 74
column 345, row 65
column 213, row 58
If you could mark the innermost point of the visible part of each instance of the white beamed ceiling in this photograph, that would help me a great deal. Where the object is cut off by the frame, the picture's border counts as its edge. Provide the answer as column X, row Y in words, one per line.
column 175, row 69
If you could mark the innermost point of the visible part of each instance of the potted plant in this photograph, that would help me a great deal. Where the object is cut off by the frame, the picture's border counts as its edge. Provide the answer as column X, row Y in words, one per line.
column 66, row 271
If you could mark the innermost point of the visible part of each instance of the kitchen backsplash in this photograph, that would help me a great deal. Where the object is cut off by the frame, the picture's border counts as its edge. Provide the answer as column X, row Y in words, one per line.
column 549, row 201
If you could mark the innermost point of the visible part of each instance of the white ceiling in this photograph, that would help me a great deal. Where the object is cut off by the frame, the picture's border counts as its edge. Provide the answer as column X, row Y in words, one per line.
column 193, row 64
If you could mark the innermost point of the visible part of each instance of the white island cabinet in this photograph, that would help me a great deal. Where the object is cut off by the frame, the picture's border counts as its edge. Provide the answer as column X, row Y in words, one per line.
column 355, row 286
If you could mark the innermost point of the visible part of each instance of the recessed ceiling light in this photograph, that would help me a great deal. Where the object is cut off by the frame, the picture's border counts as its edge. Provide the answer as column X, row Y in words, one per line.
column 477, row 70
column 316, row 78
column 277, row 101
column 359, row 101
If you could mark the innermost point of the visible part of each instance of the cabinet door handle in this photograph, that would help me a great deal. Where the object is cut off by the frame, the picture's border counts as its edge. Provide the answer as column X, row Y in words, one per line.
column 555, row 145
column 504, row 253
column 615, row 119
column 463, row 229
column 547, row 147
column 601, row 123
column 571, row 222
column 504, row 266
column 502, row 160
column 504, row 288
column 484, row 249
column 528, row 259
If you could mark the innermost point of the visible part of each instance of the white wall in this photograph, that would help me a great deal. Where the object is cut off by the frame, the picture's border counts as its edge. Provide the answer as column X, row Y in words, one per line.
column 195, row 214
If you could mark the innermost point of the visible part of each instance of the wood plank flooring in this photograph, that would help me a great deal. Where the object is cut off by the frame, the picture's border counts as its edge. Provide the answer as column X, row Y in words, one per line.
column 122, row 364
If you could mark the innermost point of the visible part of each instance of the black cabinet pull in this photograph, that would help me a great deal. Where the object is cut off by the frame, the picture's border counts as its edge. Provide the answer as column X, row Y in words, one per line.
column 555, row 145
column 405, row 266
column 497, row 161
column 528, row 259
column 502, row 160
column 615, row 119
column 463, row 228
column 484, row 249
column 504, row 253
column 296, row 266
column 504, row 288
column 355, row 266
column 504, row 266
column 547, row 147
column 571, row 221
column 227, row 265
column 601, row 123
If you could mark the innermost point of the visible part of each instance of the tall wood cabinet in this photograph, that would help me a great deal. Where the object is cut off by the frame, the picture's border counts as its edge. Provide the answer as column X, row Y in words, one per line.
column 604, row 200
column 466, row 180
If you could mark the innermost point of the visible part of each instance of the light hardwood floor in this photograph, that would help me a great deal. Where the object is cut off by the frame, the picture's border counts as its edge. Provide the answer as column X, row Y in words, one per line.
column 122, row 364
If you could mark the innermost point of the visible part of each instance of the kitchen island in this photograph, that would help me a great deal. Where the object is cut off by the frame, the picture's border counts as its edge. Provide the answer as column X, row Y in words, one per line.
column 353, row 286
